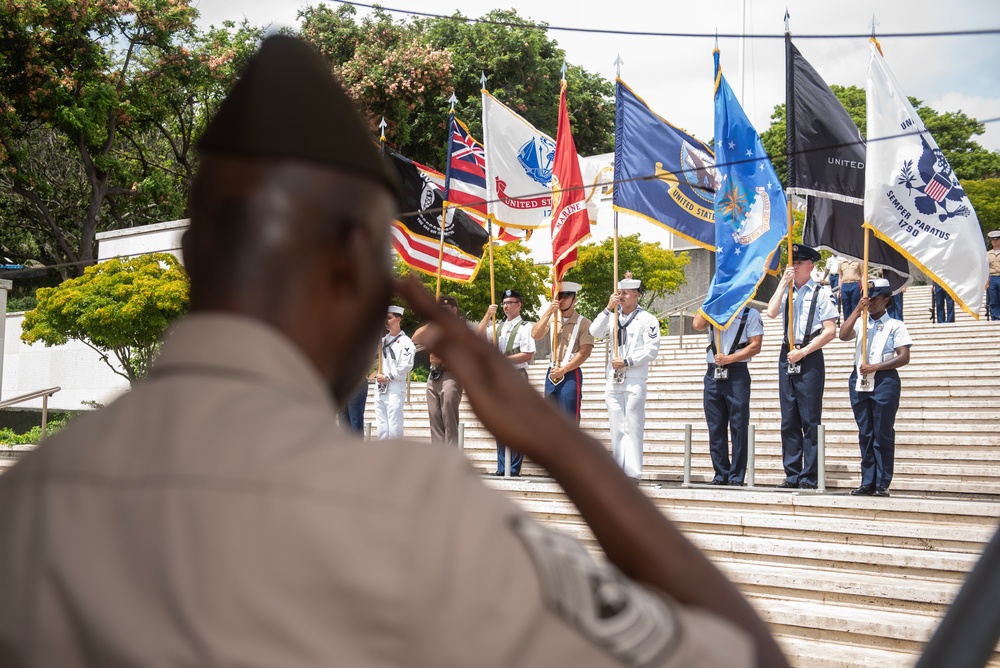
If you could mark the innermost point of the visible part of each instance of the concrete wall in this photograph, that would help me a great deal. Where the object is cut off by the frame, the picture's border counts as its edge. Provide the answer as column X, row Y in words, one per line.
column 75, row 367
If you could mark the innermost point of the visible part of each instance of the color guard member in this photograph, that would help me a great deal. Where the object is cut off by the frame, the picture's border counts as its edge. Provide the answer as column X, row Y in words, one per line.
column 802, row 372
column 397, row 354
column 564, row 381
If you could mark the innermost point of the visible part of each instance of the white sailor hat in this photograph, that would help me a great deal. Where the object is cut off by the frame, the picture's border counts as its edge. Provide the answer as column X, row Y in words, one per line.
column 570, row 286
column 629, row 284
column 879, row 286
column 398, row 310
column 995, row 234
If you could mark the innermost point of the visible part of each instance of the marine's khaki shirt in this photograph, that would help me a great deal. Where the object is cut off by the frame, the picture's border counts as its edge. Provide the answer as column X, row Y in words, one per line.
column 583, row 336
column 994, row 257
column 850, row 271
column 217, row 516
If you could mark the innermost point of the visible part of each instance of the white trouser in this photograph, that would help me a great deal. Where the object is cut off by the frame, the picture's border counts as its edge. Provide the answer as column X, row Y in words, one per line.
column 627, row 414
column 389, row 414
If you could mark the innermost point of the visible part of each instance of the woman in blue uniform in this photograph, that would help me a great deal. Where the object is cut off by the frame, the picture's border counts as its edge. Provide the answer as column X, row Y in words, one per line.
column 875, row 392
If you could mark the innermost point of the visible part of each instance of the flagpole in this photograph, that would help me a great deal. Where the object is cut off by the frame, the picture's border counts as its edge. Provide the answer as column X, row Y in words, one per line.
column 864, row 312
column 614, row 287
column 790, row 176
column 447, row 191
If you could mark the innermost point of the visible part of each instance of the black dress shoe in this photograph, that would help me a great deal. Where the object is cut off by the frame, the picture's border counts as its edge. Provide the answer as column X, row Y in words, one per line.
column 806, row 485
column 864, row 490
column 788, row 485
column 716, row 482
column 735, row 483
column 497, row 474
column 881, row 491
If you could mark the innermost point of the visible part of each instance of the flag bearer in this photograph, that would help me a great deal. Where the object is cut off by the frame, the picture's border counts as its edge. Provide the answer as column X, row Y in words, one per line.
column 993, row 254
column 390, row 383
column 875, row 395
column 564, row 381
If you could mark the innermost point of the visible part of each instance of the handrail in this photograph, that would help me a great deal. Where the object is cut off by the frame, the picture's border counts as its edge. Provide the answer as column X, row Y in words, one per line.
column 44, row 394
column 28, row 397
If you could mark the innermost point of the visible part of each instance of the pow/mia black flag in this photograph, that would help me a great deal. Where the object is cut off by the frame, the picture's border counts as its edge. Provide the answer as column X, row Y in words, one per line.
column 416, row 235
column 826, row 162
column 826, row 153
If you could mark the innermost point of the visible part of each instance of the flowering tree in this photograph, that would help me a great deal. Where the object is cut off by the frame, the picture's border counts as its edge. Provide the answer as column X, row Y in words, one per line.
column 407, row 70
column 100, row 102
column 118, row 307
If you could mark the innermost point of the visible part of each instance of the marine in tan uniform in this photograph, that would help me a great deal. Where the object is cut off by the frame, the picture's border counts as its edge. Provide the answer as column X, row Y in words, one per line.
column 850, row 284
column 993, row 284
column 216, row 515
column 574, row 343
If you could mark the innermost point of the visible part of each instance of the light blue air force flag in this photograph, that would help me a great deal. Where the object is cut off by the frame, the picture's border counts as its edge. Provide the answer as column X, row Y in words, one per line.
column 662, row 174
column 750, row 210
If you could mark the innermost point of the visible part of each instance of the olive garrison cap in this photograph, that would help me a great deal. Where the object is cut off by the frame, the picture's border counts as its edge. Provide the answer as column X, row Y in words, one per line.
column 287, row 104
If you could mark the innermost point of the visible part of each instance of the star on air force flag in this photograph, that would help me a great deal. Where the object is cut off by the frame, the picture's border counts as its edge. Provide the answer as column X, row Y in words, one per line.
column 750, row 209
column 913, row 199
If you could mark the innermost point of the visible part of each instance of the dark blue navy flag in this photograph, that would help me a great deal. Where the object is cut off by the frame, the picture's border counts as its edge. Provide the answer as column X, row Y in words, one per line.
column 751, row 215
column 662, row 173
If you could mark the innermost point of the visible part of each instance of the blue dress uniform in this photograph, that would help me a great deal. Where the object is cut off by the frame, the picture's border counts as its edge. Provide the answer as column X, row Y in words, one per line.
column 993, row 290
column 801, row 395
column 875, row 411
column 727, row 402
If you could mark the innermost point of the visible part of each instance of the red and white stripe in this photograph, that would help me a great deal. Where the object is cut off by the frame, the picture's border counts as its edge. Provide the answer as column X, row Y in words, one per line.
column 421, row 253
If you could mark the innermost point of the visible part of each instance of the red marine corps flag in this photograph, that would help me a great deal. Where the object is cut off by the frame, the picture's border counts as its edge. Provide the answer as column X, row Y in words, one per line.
column 570, row 223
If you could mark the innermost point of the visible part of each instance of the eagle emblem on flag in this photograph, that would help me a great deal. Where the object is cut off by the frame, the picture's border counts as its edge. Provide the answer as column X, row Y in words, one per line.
column 933, row 185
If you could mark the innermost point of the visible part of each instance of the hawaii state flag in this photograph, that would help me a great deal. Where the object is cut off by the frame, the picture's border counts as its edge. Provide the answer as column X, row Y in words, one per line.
column 570, row 223
column 750, row 209
column 417, row 234
column 913, row 200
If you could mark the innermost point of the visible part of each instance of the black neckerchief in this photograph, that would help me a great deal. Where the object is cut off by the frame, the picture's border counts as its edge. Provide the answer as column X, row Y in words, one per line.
column 621, row 327
column 387, row 346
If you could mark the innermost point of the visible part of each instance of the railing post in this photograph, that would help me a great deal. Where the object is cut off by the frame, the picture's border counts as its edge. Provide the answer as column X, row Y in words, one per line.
column 680, row 323
column 506, row 461
column 751, row 445
column 368, row 431
column 45, row 413
column 821, row 458
column 687, row 455
column 461, row 435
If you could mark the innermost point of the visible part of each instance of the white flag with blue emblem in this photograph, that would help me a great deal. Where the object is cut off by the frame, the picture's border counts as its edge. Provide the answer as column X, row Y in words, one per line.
column 913, row 199
column 519, row 161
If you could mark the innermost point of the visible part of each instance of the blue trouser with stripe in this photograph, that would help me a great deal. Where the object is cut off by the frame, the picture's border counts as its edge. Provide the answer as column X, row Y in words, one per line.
column 567, row 394
column 801, row 399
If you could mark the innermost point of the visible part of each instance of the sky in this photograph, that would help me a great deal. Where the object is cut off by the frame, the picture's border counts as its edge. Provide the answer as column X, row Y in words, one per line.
column 674, row 74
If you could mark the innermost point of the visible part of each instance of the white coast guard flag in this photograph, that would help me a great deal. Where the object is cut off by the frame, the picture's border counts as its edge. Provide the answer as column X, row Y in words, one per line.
column 913, row 199
column 519, row 162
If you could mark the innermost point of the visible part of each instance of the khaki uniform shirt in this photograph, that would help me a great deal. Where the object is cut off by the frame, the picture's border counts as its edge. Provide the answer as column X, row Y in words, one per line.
column 850, row 271
column 994, row 257
column 217, row 515
column 583, row 337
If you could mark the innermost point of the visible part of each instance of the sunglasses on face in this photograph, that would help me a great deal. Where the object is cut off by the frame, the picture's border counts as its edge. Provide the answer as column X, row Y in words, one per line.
column 566, row 295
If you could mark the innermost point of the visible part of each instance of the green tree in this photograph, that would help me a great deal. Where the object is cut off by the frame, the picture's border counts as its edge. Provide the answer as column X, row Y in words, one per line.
column 985, row 197
column 660, row 270
column 120, row 307
column 953, row 132
column 100, row 105
column 406, row 71
column 512, row 268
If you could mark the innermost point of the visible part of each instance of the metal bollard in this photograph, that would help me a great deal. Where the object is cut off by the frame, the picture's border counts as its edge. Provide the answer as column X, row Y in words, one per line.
column 751, row 443
column 368, row 431
column 461, row 436
column 506, row 461
column 687, row 455
column 821, row 458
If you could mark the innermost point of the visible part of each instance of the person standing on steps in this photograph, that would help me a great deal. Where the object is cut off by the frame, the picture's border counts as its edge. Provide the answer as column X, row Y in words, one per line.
column 564, row 380
column 802, row 372
column 397, row 354
column 515, row 342
column 993, row 286
column 727, row 392
column 874, row 385
column 625, row 388
column 444, row 394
